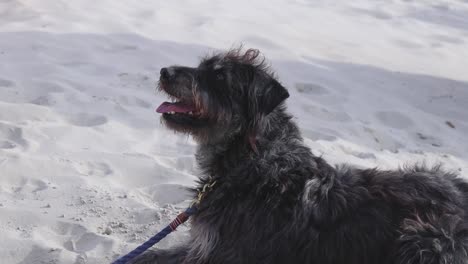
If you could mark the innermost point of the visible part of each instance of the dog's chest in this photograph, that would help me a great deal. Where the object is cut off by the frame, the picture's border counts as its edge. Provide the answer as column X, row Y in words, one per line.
column 204, row 240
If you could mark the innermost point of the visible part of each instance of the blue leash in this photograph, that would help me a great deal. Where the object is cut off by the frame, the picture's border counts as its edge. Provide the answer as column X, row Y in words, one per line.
column 180, row 219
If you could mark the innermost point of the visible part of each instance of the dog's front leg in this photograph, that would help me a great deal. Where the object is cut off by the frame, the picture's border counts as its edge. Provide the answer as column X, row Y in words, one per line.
column 171, row 256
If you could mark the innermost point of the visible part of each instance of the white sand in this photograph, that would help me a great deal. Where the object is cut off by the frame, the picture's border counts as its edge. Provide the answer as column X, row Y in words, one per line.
column 86, row 170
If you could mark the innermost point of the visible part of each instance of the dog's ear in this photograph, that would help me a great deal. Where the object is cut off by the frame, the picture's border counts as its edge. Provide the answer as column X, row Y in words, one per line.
column 266, row 97
column 270, row 96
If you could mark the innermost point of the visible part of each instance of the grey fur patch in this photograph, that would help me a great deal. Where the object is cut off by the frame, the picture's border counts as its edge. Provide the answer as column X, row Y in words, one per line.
column 309, row 197
column 204, row 239
column 171, row 70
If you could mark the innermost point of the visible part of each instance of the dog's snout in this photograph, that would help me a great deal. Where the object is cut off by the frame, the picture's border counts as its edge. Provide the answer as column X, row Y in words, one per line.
column 166, row 74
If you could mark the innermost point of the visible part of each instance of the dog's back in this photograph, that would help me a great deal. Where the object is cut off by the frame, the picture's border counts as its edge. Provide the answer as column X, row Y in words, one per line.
column 284, row 205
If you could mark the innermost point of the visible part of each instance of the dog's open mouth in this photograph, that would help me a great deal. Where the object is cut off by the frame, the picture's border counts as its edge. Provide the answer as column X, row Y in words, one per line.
column 179, row 108
column 181, row 113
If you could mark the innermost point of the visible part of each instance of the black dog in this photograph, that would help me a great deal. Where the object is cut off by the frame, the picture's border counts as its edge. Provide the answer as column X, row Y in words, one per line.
column 273, row 201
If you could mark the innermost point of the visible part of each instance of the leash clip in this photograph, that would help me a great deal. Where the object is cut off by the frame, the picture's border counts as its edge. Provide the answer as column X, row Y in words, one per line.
column 203, row 191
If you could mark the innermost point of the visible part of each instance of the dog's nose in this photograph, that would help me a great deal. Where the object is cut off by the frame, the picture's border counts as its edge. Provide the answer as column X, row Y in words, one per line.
column 165, row 74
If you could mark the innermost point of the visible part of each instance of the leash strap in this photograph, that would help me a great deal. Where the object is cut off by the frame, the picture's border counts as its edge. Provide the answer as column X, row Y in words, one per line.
column 180, row 219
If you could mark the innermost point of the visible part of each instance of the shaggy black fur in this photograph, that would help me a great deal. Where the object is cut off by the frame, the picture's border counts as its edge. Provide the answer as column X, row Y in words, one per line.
column 275, row 202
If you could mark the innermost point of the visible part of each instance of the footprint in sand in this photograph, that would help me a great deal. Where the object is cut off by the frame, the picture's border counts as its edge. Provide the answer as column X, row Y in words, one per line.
column 87, row 242
column 142, row 103
column 80, row 239
column 75, row 64
column 87, row 120
column 316, row 135
column 408, row 44
column 428, row 139
column 384, row 140
column 127, row 47
column 6, row 83
column 168, row 193
column 44, row 100
column 42, row 255
column 311, row 88
column 48, row 87
column 93, row 168
column 447, row 39
column 394, row 119
column 133, row 101
column 43, row 91
column 99, row 168
column 135, row 81
column 11, row 137
column 378, row 14
column 30, row 186
column 7, row 144
column 117, row 47
column 326, row 115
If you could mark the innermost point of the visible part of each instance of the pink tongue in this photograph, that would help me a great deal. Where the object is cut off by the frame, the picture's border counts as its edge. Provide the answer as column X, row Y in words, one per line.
column 174, row 107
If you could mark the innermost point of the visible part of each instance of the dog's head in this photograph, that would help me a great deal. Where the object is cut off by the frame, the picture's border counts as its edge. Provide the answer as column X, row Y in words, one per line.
column 227, row 95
